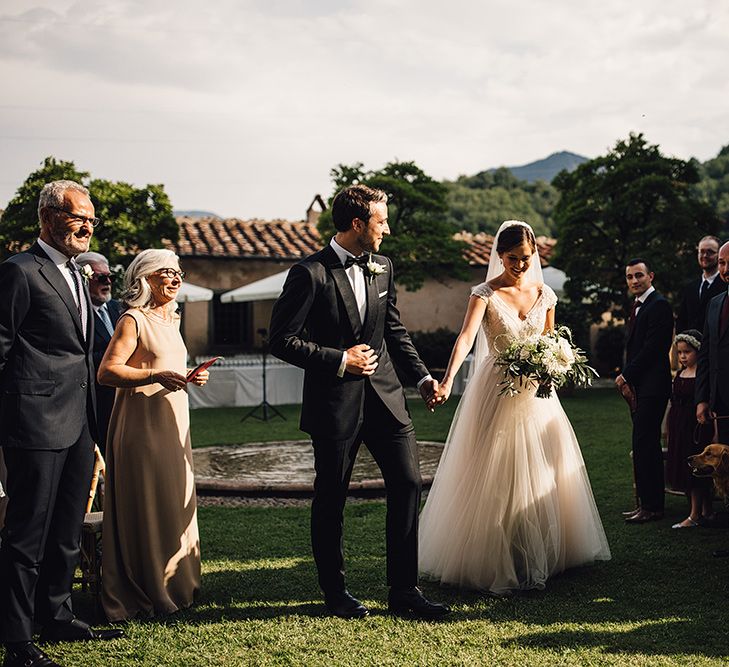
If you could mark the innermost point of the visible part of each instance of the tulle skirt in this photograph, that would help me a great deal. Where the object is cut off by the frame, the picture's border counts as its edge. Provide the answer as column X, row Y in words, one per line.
column 511, row 503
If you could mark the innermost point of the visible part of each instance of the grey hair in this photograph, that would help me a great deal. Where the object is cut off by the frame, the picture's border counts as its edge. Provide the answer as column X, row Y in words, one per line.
column 91, row 258
column 53, row 192
column 137, row 292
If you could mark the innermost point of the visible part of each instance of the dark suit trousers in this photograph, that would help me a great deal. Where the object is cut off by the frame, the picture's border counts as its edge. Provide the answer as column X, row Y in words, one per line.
column 395, row 450
column 647, row 454
column 47, row 491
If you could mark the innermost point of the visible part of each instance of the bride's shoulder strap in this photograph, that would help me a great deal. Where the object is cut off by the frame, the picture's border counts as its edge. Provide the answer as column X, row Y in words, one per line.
column 483, row 291
column 550, row 298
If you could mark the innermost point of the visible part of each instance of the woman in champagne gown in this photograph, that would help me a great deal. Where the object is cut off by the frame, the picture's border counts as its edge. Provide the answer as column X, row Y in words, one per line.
column 151, row 545
column 511, row 503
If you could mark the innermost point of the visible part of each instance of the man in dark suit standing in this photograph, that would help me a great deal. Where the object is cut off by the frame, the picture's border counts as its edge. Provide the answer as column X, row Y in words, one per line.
column 712, row 372
column 697, row 294
column 344, row 298
column 106, row 314
column 47, row 426
column 645, row 382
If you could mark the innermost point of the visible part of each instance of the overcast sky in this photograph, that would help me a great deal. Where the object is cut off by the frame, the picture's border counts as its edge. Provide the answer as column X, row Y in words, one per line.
column 242, row 107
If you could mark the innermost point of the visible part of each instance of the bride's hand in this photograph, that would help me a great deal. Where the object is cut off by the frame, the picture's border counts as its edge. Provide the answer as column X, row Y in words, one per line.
column 444, row 391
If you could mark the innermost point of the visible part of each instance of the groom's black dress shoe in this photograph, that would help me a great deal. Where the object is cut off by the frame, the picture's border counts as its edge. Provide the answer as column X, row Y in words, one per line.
column 720, row 553
column 76, row 631
column 344, row 605
column 26, row 655
column 412, row 603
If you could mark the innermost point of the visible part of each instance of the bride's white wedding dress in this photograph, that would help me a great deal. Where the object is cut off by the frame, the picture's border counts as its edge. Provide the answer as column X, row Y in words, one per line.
column 511, row 503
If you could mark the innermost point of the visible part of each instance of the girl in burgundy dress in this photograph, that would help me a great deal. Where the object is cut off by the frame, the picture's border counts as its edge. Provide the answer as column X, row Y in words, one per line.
column 683, row 433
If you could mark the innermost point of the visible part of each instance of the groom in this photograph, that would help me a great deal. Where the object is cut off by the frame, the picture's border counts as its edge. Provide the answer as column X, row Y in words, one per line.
column 336, row 318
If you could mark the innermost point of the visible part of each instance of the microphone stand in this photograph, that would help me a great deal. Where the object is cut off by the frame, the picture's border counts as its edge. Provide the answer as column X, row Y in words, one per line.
column 264, row 407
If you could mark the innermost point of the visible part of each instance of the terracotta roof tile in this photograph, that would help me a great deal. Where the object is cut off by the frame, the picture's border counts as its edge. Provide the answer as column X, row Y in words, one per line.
column 287, row 240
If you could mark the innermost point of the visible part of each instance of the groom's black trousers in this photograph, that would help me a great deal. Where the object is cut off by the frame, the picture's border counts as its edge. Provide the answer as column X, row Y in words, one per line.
column 47, row 492
column 394, row 448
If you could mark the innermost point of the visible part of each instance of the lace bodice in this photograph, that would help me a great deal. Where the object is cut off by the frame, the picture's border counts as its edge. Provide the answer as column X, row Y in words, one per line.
column 501, row 318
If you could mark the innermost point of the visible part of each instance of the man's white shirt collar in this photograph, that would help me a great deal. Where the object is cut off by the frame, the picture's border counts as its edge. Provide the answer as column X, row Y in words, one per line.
column 342, row 253
column 710, row 279
column 57, row 257
column 641, row 299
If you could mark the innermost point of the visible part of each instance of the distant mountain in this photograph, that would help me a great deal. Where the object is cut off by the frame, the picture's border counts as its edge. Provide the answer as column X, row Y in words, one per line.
column 195, row 214
column 548, row 168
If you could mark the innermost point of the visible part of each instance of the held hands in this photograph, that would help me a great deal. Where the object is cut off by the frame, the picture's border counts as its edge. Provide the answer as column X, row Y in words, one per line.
column 431, row 392
column 201, row 378
column 361, row 360
column 169, row 380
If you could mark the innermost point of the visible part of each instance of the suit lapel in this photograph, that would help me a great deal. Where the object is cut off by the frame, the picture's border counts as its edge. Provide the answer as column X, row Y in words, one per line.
column 55, row 279
column 336, row 270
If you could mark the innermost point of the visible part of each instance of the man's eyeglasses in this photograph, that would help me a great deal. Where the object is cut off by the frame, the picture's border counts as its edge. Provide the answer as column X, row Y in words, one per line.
column 171, row 273
column 75, row 217
column 103, row 278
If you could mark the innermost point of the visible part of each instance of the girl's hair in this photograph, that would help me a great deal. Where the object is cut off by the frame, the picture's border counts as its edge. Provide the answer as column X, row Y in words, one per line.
column 690, row 337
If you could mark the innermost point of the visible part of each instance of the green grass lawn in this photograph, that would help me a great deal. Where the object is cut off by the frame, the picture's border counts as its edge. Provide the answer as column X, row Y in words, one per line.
column 662, row 600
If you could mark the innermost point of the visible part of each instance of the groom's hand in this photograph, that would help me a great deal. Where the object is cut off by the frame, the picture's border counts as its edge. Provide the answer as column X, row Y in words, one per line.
column 429, row 392
column 361, row 360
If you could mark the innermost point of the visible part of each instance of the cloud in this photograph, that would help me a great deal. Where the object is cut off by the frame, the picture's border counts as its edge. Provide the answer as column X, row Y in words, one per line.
column 229, row 99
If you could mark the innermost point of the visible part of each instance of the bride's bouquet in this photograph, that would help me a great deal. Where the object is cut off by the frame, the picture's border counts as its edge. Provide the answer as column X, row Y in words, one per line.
column 550, row 360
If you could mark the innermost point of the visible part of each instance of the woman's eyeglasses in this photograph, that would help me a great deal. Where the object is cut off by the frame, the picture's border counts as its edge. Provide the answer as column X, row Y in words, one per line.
column 171, row 273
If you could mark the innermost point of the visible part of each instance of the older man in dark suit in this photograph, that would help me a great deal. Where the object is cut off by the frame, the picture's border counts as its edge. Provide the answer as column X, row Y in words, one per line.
column 712, row 372
column 47, row 426
column 645, row 381
column 697, row 294
column 107, row 312
column 344, row 298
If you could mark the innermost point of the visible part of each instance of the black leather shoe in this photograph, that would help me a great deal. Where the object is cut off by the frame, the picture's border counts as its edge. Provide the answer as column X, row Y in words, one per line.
column 720, row 553
column 628, row 513
column 412, row 603
column 344, row 605
column 644, row 516
column 76, row 631
column 27, row 655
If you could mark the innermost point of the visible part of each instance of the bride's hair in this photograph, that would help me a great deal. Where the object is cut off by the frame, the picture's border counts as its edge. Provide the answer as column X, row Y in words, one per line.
column 513, row 236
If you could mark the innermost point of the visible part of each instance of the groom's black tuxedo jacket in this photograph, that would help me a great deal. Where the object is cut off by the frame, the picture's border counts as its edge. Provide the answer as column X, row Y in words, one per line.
column 712, row 372
column 46, row 366
column 647, row 365
column 316, row 318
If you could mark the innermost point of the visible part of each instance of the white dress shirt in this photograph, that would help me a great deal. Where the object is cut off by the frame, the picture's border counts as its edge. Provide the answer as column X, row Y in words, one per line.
column 355, row 274
column 641, row 299
column 60, row 260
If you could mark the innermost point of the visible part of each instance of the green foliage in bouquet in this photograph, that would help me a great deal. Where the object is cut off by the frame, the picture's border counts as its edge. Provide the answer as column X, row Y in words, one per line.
column 550, row 361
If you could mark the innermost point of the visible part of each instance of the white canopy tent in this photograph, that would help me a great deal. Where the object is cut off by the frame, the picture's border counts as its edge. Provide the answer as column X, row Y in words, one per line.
column 261, row 290
column 189, row 293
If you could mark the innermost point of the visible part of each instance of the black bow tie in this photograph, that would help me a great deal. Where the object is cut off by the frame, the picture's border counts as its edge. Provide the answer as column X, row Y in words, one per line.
column 360, row 261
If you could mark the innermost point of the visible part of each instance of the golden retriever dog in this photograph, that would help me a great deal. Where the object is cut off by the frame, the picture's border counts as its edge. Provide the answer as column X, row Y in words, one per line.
column 713, row 462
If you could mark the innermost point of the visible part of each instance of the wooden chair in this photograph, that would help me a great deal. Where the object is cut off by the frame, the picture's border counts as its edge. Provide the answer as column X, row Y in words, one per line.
column 90, row 561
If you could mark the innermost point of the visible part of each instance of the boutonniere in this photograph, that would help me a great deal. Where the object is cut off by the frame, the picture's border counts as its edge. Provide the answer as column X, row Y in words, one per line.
column 374, row 269
column 86, row 272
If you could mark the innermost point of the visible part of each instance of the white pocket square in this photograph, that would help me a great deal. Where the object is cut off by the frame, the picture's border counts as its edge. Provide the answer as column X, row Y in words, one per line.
column 382, row 294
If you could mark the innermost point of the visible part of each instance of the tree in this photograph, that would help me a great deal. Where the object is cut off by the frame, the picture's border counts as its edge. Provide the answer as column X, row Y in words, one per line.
column 132, row 218
column 421, row 244
column 632, row 202
column 714, row 186
column 480, row 203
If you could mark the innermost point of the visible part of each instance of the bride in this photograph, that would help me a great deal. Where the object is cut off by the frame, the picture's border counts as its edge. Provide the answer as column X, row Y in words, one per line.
column 511, row 503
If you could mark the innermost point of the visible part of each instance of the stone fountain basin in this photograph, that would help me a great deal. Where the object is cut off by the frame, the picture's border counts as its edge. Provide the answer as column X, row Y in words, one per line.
column 286, row 468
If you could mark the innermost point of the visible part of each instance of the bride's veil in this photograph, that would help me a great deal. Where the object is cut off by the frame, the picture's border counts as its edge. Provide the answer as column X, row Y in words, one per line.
column 496, row 268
